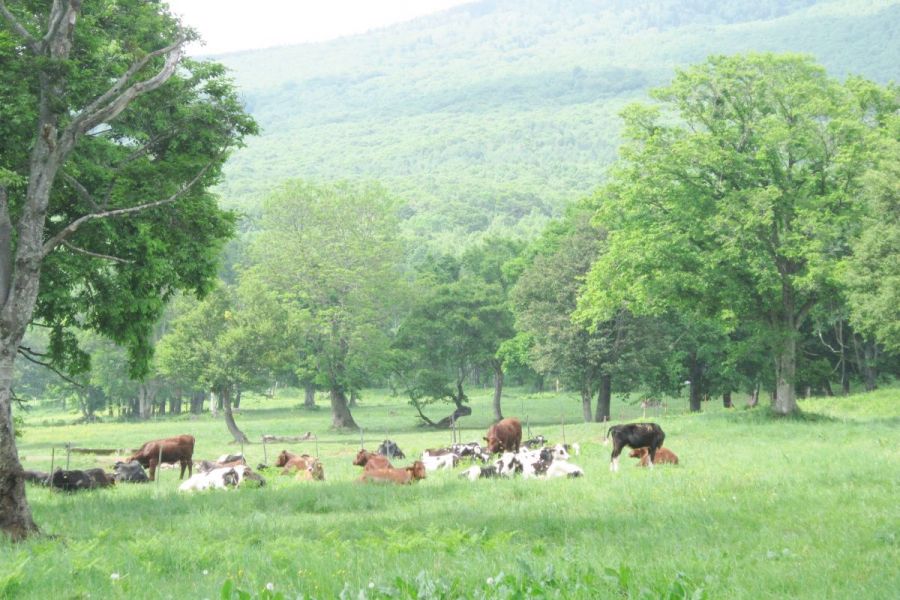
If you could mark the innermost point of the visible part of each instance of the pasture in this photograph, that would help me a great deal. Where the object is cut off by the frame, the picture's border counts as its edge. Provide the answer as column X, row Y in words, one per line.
column 758, row 508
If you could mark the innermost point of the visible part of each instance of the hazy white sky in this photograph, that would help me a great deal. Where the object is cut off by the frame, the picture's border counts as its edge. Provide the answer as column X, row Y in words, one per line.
column 230, row 25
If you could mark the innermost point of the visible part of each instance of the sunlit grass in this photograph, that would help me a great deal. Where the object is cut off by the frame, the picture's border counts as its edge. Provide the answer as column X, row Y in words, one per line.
column 759, row 508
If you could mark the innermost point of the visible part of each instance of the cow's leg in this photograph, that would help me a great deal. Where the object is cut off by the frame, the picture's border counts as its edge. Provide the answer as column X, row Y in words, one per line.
column 617, row 449
column 152, row 463
column 183, row 467
column 651, row 455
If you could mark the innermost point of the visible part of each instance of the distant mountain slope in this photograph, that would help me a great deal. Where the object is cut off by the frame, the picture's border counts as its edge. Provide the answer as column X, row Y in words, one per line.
column 493, row 115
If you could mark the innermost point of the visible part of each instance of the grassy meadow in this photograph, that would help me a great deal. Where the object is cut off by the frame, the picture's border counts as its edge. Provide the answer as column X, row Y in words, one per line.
column 759, row 508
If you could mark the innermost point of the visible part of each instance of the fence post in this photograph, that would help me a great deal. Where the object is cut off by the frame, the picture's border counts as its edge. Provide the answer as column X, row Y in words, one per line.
column 52, row 459
column 528, row 426
column 68, row 453
column 562, row 418
column 362, row 441
column 265, row 454
column 315, row 437
column 159, row 467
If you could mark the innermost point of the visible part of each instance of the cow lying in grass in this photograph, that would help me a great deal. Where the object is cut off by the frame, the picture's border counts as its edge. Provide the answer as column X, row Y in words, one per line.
column 390, row 449
column 663, row 456
column 221, row 478
column 130, row 472
column 300, row 463
column 371, row 461
column 634, row 435
column 405, row 476
column 75, row 480
column 544, row 463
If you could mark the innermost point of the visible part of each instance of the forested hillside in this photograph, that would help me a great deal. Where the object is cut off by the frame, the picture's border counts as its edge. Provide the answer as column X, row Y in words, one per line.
column 496, row 114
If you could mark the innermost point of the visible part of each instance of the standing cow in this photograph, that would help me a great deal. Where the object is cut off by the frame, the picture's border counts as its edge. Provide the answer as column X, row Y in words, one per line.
column 504, row 436
column 634, row 435
column 178, row 449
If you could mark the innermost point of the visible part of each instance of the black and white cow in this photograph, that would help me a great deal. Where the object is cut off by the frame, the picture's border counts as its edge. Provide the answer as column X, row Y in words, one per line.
column 38, row 477
column 634, row 435
column 75, row 480
column 130, row 472
column 390, row 449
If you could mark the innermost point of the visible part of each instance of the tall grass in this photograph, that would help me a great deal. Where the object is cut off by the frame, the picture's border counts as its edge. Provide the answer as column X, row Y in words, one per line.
column 758, row 508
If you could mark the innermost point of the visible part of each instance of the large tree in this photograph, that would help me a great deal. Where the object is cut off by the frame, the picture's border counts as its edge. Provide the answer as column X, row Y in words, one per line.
column 733, row 200
column 109, row 141
column 332, row 255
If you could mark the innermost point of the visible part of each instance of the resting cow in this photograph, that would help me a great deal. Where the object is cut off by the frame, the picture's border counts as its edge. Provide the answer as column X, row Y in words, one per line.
column 39, row 477
column 370, row 461
column 221, row 478
column 299, row 463
column 634, row 435
column 178, row 449
column 130, row 472
column 408, row 475
column 75, row 479
column 390, row 449
column 504, row 436
column 663, row 456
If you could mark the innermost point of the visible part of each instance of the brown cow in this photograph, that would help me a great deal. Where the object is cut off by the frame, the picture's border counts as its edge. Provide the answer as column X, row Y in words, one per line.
column 178, row 449
column 663, row 456
column 504, row 436
column 302, row 463
column 404, row 476
column 370, row 461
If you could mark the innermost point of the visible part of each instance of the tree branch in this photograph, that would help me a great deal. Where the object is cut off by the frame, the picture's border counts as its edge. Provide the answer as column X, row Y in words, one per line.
column 62, row 13
column 72, row 227
column 25, row 354
column 96, row 255
column 6, row 246
column 117, row 97
column 81, row 191
column 20, row 30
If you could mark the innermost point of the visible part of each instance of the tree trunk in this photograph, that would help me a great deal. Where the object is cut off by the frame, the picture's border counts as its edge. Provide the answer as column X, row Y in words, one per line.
column 236, row 433
column 785, row 400
column 197, row 403
column 726, row 400
column 353, row 399
column 15, row 514
column 237, row 398
column 604, row 398
column 340, row 412
column 696, row 391
column 865, row 353
column 498, row 389
column 586, row 396
column 310, row 399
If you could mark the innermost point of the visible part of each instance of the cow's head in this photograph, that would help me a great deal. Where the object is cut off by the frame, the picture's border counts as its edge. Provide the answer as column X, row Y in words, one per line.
column 638, row 453
column 283, row 458
column 362, row 457
column 417, row 470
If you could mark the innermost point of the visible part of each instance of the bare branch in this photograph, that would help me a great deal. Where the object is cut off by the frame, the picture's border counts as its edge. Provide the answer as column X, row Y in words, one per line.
column 81, row 191
column 117, row 97
column 49, row 366
column 72, row 227
column 96, row 255
column 20, row 30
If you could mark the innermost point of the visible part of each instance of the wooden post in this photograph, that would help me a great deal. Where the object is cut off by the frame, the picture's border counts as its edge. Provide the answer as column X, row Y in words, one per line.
column 315, row 437
column 265, row 454
column 68, row 453
column 362, row 441
column 159, row 467
column 562, row 418
column 52, row 460
column 528, row 426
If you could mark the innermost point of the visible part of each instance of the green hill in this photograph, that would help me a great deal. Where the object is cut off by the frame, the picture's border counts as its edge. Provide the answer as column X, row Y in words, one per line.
column 493, row 115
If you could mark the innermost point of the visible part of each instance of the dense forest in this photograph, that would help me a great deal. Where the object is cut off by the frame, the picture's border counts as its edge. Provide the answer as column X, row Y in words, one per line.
column 492, row 117
column 602, row 194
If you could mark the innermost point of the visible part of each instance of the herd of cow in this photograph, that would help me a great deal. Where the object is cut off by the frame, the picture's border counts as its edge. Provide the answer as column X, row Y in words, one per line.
column 531, row 459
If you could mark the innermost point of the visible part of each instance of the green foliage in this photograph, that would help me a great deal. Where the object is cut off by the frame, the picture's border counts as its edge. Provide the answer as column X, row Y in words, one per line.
column 115, row 275
column 490, row 118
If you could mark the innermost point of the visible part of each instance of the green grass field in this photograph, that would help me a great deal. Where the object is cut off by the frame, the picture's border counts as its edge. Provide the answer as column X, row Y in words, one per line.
column 759, row 508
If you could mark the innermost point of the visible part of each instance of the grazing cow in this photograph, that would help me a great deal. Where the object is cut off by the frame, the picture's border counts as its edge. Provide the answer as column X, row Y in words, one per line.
column 178, row 449
column 390, row 449
column 444, row 461
column 75, row 480
column 504, row 436
column 371, row 461
column 634, row 435
column 407, row 475
column 663, row 456
column 130, row 472
column 39, row 477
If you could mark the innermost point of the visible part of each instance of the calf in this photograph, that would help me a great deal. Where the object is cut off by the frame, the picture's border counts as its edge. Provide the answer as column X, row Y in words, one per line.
column 445, row 461
column 370, row 461
column 663, row 456
column 410, row 474
column 634, row 435
column 130, row 472
column 221, row 478
column 476, row 472
column 178, row 449
column 314, row 472
column 504, row 436
column 390, row 449
column 293, row 462
column 561, row 468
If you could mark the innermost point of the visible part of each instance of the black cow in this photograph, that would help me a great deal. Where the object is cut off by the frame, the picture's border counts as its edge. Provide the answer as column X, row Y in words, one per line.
column 390, row 449
column 634, row 435
column 39, row 477
column 75, row 480
column 130, row 472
